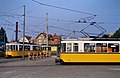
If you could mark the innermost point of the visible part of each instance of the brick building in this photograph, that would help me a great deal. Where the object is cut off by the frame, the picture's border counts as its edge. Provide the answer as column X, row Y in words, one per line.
column 41, row 39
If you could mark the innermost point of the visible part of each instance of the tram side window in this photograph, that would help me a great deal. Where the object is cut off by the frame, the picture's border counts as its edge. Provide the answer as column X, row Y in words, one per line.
column 12, row 47
column 113, row 47
column 101, row 47
column 69, row 46
column 16, row 47
column 44, row 48
column 36, row 48
column 27, row 47
column 63, row 47
column 49, row 48
column 20, row 47
column 89, row 47
column 75, row 47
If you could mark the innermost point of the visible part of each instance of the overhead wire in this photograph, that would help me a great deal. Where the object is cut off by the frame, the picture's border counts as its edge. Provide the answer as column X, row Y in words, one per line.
column 59, row 28
column 70, row 34
column 63, row 8
column 10, row 14
column 53, row 19
column 15, row 9
column 6, row 19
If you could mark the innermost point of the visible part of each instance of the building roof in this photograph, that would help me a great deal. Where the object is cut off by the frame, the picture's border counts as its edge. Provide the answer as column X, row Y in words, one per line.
column 49, row 35
column 56, row 36
column 28, row 37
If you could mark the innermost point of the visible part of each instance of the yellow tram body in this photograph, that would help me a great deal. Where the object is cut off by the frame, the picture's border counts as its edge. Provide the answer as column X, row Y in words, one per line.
column 89, row 50
column 18, row 53
column 90, row 58
column 16, row 50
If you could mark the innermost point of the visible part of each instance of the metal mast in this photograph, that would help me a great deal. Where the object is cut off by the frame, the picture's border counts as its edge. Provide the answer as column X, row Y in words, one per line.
column 47, row 34
column 23, row 35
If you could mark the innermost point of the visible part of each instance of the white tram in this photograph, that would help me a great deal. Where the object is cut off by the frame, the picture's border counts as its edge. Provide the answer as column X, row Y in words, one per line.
column 90, row 50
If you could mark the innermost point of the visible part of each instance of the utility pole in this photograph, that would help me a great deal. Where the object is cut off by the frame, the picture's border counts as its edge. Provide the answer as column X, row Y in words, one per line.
column 16, row 37
column 47, row 34
column 23, row 35
column 74, row 33
column 4, row 40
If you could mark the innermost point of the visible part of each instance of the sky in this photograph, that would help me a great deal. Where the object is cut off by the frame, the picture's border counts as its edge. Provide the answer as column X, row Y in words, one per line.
column 60, row 21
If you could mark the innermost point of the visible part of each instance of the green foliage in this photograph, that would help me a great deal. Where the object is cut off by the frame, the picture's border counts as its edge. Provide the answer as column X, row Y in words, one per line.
column 105, row 36
column 3, row 37
column 116, row 34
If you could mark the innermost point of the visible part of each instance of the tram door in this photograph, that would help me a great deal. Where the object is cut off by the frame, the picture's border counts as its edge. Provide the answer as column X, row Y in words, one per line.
column 113, row 47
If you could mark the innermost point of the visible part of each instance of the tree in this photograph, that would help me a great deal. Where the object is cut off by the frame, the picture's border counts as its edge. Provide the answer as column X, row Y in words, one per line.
column 3, row 37
column 105, row 36
column 116, row 34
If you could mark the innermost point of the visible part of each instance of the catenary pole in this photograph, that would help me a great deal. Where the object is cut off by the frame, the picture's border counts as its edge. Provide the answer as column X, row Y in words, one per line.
column 47, row 34
column 23, row 34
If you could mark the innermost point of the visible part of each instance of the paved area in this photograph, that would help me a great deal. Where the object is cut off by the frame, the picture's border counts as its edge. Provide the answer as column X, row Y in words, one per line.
column 46, row 68
column 4, row 60
column 20, row 62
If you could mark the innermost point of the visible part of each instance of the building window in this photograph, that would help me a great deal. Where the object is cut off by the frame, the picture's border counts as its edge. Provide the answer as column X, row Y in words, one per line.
column 40, row 37
column 40, row 40
column 44, row 41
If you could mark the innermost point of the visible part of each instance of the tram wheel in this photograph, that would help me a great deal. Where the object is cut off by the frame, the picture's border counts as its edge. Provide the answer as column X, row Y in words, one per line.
column 61, row 61
column 8, row 56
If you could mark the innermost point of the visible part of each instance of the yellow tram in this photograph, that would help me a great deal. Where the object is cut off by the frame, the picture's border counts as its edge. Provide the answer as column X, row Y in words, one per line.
column 16, row 49
column 89, row 50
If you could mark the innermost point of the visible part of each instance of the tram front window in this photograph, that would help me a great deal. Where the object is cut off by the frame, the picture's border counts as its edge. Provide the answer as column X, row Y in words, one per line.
column 8, row 48
column 63, row 47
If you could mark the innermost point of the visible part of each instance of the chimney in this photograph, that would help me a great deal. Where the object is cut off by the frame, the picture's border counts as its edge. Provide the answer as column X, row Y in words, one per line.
column 16, row 32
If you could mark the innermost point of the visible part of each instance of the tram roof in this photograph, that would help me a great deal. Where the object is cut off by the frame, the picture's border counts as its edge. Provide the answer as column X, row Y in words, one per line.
column 93, row 39
column 17, row 43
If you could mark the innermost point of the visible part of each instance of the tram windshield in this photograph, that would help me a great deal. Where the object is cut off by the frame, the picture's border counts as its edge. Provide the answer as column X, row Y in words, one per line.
column 63, row 47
